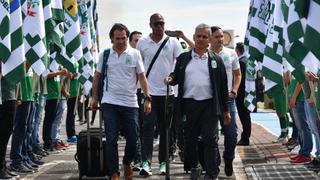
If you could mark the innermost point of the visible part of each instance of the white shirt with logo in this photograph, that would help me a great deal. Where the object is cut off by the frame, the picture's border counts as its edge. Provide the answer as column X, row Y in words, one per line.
column 163, row 65
column 231, row 62
column 120, row 86
column 197, row 83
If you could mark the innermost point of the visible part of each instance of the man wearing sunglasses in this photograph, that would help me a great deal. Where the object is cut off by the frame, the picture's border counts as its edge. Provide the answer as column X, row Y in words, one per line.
column 163, row 65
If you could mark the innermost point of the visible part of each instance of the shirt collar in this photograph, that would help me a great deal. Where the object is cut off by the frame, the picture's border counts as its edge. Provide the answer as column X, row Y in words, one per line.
column 112, row 51
column 151, row 41
column 197, row 56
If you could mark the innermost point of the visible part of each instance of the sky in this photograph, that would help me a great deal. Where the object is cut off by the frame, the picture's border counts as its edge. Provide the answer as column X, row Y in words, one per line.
column 182, row 15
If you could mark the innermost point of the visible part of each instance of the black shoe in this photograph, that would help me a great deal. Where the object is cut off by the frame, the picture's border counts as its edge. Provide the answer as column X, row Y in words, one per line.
column 243, row 142
column 181, row 155
column 21, row 169
column 209, row 177
column 228, row 168
column 31, row 166
column 195, row 173
column 11, row 173
column 4, row 174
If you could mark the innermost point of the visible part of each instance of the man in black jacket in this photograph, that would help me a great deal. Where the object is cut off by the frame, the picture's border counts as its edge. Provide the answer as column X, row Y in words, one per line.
column 202, row 97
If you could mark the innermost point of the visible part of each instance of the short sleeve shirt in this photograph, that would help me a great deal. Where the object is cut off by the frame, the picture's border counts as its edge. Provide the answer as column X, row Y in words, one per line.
column 120, row 85
column 231, row 62
column 163, row 65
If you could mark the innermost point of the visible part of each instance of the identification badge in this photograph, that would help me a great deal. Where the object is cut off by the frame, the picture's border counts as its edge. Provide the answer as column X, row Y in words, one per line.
column 213, row 64
column 128, row 60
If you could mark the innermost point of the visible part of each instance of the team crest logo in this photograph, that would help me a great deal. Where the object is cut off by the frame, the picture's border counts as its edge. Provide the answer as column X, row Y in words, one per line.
column 31, row 5
column 71, row 7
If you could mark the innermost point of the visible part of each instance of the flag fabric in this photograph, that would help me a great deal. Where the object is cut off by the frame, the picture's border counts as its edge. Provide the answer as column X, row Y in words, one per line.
column 272, row 68
column 294, row 23
column 71, row 54
column 35, row 38
column 72, row 30
column 258, row 18
column 5, row 44
column 250, row 85
column 14, row 68
column 312, row 33
column 91, row 15
column 86, row 71
column 258, row 28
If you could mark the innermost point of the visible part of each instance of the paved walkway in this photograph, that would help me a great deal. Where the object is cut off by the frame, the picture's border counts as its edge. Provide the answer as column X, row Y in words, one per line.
column 261, row 160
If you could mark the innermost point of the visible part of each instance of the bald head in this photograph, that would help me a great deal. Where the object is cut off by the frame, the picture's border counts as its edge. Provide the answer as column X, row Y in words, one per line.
column 156, row 16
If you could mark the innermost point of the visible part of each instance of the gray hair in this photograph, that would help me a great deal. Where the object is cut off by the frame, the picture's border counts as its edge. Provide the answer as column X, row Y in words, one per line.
column 204, row 26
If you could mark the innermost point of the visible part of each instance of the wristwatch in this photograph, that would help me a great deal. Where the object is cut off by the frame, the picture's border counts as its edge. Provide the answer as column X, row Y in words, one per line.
column 148, row 98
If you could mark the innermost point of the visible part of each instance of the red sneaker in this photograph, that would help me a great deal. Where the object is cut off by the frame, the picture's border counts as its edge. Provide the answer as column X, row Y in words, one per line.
column 58, row 147
column 301, row 160
column 294, row 157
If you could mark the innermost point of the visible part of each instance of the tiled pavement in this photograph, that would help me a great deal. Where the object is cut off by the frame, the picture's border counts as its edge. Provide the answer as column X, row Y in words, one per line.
column 261, row 160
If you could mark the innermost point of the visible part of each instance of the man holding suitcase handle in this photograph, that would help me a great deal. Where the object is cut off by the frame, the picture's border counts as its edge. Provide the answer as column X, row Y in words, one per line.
column 119, row 100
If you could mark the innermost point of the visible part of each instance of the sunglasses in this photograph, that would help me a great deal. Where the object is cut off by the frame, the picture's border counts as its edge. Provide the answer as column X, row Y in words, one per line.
column 158, row 23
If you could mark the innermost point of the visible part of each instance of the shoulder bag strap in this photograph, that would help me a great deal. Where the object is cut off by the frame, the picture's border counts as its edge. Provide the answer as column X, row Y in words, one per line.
column 156, row 56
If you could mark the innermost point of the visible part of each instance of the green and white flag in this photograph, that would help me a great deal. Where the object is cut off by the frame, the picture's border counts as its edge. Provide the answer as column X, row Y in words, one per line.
column 312, row 33
column 14, row 68
column 91, row 14
column 272, row 68
column 86, row 71
column 5, row 44
column 258, row 28
column 255, row 40
column 294, row 25
column 72, row 30
column 250, row 85
column 35, row 38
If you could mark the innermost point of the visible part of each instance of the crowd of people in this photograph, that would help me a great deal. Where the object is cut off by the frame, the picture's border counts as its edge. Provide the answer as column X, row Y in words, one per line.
column 151, row 83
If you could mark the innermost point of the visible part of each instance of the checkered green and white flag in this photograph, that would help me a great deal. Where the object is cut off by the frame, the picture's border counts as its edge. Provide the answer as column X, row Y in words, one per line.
column 86, row 71
column 312, row 34
column 5, row 44
column 72, row 37
column 258, row 28
column 35, row 38
column 91, row 14
column 272, row 68
column 255, row 41
column 294, row 25
column 250, row 85
column 14, row 68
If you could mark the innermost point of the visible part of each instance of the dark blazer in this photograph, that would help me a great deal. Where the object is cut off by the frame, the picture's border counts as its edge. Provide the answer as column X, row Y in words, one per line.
column 218, row 78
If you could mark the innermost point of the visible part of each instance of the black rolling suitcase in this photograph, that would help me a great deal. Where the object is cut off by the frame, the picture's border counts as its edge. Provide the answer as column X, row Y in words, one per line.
column 186, row 165
column 91, row 151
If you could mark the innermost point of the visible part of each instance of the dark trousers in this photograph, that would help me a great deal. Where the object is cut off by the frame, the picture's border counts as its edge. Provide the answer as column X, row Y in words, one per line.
column 245, row 119
column 140, row 97
column 70, row 124
column 50, row 114
column 201, row 121
column 112, row 116
column 22, row 125
column 157, row 115
column 7, row 115
column 176, row 130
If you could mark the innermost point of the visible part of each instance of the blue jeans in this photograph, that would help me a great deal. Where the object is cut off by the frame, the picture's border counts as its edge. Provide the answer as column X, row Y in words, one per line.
column 230, row 132
column 38, row 115
column 312, row 118
column 300, row 120
column 128, row 116
column 62, row 105
column 18, row 142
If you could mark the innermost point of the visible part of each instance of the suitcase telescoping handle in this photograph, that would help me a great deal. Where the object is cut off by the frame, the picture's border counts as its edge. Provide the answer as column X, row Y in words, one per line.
column 100, row 139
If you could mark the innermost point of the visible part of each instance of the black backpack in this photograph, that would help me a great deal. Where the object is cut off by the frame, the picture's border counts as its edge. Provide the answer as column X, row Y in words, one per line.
column 106, row 54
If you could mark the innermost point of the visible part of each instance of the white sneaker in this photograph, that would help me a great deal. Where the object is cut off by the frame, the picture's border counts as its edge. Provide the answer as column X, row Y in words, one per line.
column 282, row 140
column 295, row 150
